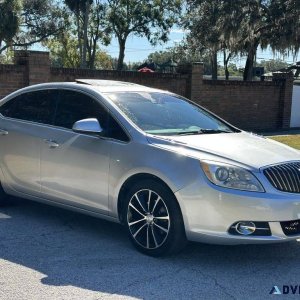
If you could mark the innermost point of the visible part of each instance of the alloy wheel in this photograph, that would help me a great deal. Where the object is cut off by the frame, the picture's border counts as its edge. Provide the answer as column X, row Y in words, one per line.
column 148, row 219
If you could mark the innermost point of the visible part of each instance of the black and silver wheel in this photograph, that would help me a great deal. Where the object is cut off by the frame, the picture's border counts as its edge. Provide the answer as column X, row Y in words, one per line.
column 153, row 219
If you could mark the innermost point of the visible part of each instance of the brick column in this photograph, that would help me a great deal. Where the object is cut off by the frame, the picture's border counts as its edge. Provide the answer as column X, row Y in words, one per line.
column 196, row 81
column 37, row 65
column 285, row 98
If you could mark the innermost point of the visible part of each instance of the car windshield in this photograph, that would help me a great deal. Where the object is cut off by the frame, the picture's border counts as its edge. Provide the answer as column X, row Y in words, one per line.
column 167, row 114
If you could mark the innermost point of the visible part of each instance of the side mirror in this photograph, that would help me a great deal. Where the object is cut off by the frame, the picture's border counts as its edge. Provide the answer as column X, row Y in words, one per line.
column 87, row 126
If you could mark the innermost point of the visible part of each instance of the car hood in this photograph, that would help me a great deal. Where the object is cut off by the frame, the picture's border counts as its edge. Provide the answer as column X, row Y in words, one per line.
column 245, row 148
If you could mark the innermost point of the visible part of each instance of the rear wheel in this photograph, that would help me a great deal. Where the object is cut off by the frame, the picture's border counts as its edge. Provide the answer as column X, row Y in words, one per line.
column 153, row 219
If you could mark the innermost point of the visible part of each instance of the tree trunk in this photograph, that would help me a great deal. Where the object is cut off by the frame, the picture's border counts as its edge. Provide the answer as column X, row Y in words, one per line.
column 79, row 35
column 121, row 54
column 214, row 65
column 248, row 72
column 93, row 54
column 85, row 33
column 226, row 61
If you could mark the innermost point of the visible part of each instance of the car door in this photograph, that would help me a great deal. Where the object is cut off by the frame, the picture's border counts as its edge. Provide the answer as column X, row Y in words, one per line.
column 23, row 123
column 75, row 167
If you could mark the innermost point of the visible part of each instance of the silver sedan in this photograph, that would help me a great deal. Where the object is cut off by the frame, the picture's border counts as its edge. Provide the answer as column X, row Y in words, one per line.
column 166, row 168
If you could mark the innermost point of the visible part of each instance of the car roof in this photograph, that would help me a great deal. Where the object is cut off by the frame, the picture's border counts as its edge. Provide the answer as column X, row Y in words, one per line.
column 98, row 86
column 105, row 83
column 114, row 85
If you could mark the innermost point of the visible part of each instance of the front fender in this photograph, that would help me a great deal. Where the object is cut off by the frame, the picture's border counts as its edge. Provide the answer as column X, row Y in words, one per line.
column 175, row 170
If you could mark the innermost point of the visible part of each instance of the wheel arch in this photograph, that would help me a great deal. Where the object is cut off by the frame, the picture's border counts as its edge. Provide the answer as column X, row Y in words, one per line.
column 133, row 179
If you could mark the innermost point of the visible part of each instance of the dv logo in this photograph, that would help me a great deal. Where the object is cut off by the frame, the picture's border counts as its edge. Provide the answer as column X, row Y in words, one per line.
column 286, row 289
column 275, row 290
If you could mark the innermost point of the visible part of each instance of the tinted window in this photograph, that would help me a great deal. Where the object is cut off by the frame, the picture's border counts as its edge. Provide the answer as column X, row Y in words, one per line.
column 36, row 106
column 73, row 106
column 115, row 131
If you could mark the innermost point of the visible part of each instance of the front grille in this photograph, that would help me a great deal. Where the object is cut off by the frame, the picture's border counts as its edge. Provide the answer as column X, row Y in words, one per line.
column 291, row 227
column 285, row 177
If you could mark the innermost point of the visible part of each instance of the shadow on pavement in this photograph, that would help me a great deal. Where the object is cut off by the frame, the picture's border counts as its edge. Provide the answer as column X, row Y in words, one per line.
column 81, row 251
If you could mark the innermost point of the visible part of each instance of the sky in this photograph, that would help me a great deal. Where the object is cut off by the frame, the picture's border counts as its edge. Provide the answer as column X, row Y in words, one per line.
column 138, row 49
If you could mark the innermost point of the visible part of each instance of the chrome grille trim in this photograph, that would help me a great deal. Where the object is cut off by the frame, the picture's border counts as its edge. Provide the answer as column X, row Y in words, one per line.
column 284, row 177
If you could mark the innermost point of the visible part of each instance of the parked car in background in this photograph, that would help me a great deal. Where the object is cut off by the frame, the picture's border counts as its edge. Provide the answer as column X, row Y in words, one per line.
column 163, row 166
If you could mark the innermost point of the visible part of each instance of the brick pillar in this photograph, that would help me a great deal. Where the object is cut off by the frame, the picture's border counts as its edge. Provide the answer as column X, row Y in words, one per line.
column 285, row 98
column 196, row 81
column 37, row 65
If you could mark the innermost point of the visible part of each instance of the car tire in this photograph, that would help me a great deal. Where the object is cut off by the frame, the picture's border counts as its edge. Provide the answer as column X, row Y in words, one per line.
column 153, row 219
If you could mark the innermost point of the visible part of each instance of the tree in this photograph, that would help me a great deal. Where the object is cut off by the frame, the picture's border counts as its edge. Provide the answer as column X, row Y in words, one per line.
column 91, row 27
column 7, row 57
column 263, row 23
column 255, row 22
column 286, row 16
column 181, row 54
column 24, row 23
column 98, row 31
column 64, row 53
column 151, row 19
column 240, row 26
column 161, row 57
column 81, row 9
column 10, row 19
column 103, row 61
column 205, row 22
column 273, row 65
column 226, row 58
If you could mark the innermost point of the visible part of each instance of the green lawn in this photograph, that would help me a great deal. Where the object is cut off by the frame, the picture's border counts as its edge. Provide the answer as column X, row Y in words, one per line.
column 291, row 140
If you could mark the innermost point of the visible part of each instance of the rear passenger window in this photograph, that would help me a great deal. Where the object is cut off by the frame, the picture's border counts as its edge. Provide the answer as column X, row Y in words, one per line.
column 36, row 106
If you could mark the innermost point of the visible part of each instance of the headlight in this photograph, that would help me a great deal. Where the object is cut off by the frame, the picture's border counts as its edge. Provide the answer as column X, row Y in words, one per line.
column 231, row 177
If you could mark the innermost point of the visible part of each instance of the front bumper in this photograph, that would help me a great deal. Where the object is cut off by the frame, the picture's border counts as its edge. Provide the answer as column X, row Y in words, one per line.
column 209, row 211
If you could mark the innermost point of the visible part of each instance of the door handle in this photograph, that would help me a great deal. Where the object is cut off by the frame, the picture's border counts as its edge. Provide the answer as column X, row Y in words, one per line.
column 52, row 144
column 3, row 132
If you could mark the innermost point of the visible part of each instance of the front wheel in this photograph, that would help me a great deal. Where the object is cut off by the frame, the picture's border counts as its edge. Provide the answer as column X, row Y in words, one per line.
column 153, row 219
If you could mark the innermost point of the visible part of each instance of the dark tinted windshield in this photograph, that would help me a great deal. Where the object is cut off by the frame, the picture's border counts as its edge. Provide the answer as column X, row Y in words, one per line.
column 166, row 114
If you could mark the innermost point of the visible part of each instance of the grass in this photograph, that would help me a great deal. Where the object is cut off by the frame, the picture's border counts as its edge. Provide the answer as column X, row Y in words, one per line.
column 290, row 140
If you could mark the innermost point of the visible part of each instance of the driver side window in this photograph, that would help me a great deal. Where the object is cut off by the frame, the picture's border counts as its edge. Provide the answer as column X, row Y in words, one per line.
column 74, row 106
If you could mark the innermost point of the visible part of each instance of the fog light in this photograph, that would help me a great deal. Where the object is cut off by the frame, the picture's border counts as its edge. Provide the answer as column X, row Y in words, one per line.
column 245, row 228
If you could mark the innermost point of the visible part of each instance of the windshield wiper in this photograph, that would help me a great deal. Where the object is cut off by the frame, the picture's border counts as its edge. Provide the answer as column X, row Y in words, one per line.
column 203, row 131
column 213, row 131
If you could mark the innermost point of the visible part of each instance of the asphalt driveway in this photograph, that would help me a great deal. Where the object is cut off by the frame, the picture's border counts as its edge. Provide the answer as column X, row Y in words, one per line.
column 50, row 253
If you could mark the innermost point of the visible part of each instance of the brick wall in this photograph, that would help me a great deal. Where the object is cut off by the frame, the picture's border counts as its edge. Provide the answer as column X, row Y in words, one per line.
column 12, row 77
column 176, row 83
column 254, row 105
column 250, row 105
